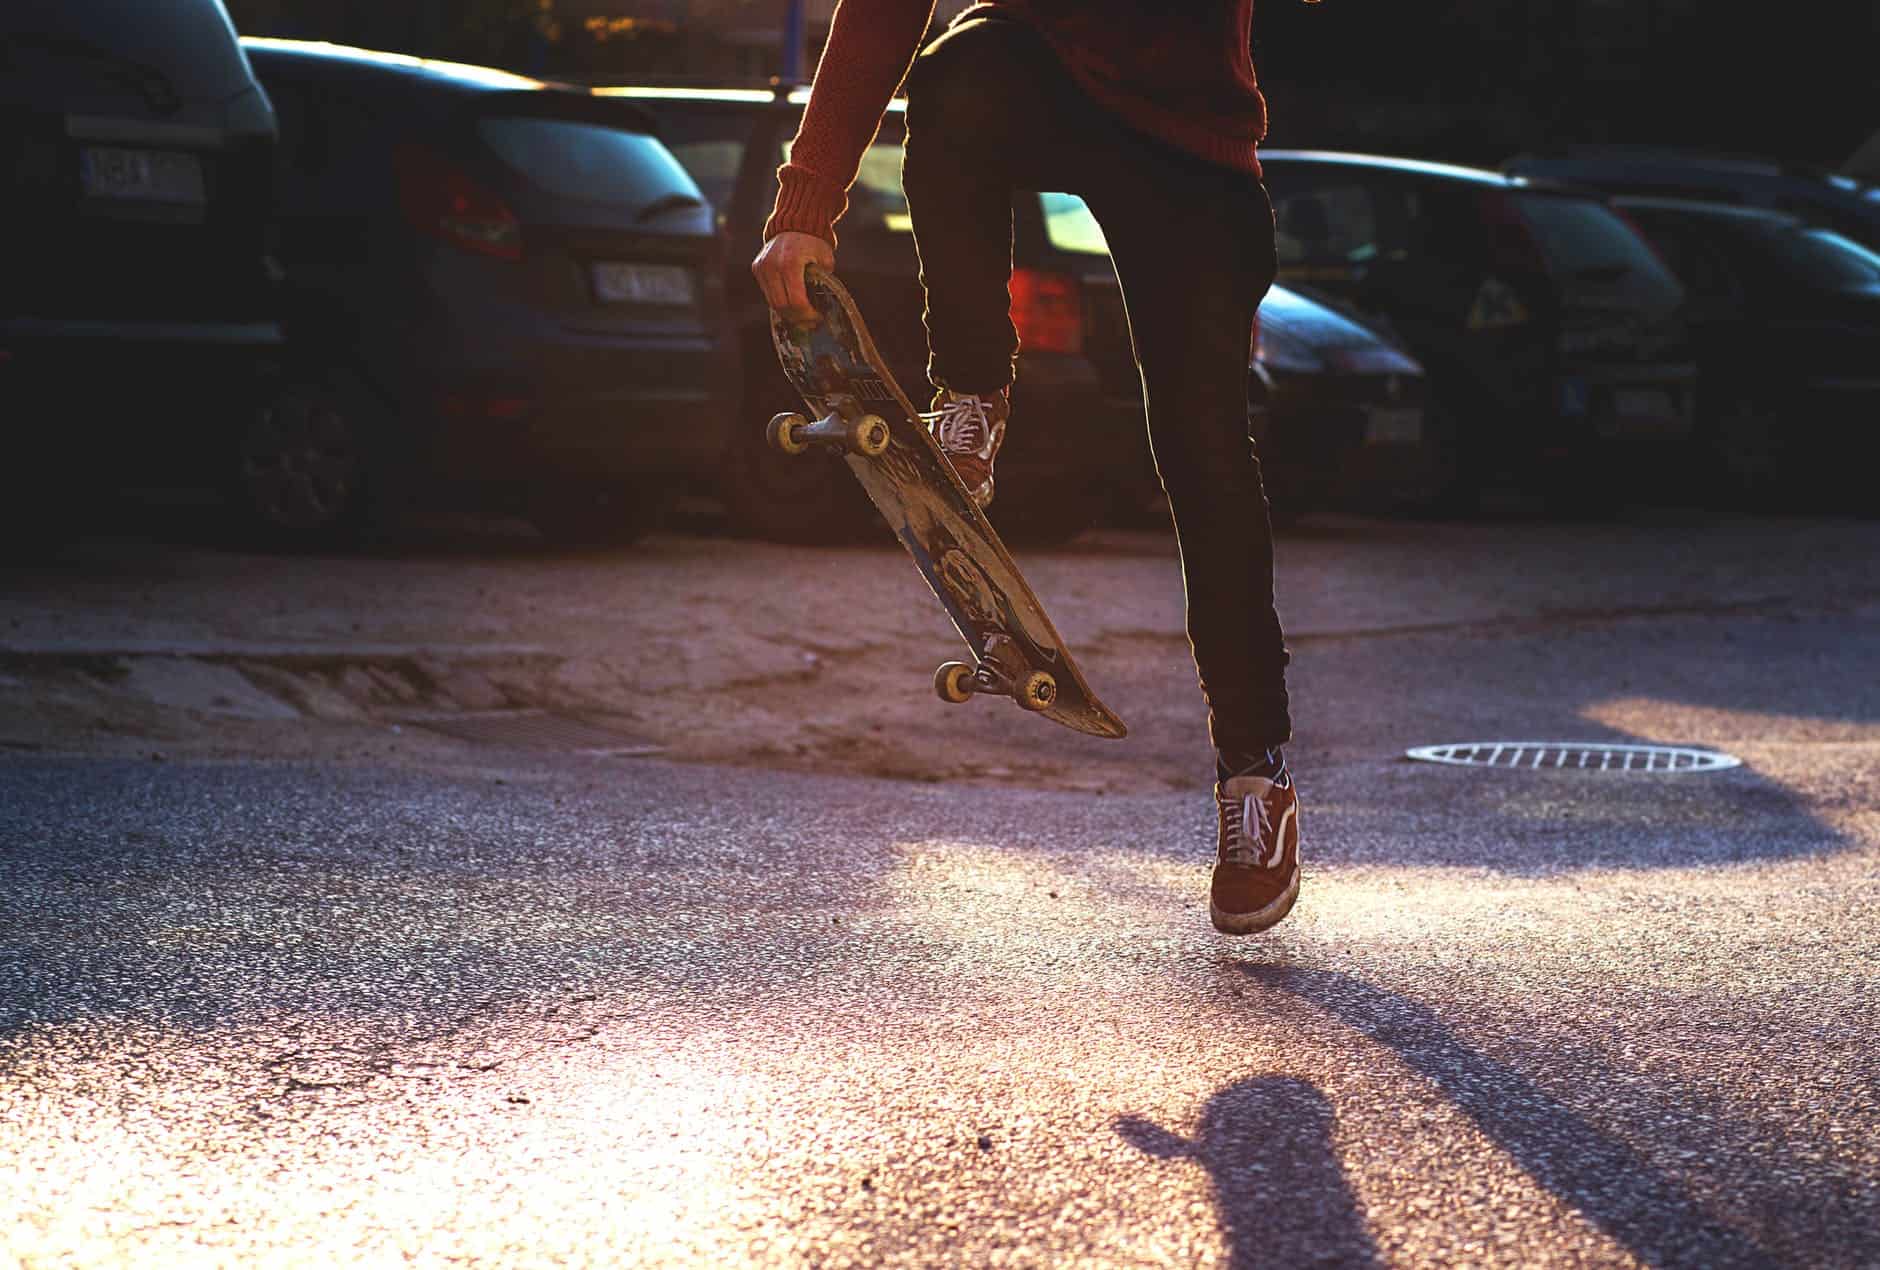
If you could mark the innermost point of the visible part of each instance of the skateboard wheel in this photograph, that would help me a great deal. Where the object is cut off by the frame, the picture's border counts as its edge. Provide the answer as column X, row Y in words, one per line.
column 950, row 682
column 1038, row 691
column 782, row 432
column 869, row 435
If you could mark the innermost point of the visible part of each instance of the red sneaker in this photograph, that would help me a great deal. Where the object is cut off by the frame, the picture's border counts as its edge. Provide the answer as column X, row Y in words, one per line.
column 1256, row 869
column 970, row 428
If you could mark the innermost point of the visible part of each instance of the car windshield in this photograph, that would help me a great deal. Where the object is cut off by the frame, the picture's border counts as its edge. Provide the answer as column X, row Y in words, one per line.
column 1819, row 257
column 589, row 161
column 1585, row 241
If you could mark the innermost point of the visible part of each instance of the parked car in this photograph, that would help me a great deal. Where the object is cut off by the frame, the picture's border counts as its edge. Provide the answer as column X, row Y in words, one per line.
column 136, row 307
column 505, row 294
column 1338, row 412
column 1553, row 338
column 1785, row 315
column 1838, row 200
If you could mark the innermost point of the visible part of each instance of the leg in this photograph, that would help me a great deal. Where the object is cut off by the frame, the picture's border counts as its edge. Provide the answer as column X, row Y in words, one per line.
column 1193, row 246
column 980, row 109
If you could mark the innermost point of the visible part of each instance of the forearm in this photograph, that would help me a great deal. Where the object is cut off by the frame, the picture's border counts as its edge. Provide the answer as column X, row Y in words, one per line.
column 871, row 46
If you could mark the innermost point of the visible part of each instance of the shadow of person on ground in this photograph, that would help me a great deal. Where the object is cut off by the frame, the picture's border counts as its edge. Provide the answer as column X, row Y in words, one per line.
column 1281, row 1195
column 1639, row 1205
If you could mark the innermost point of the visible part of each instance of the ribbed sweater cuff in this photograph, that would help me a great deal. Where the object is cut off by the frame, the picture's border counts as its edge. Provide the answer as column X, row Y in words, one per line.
column 806, row 204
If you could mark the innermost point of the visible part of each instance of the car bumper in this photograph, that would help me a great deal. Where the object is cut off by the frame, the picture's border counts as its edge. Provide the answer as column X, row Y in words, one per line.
column 1344, row 442
column 577, row 410
column 1063, row 426
column 129, row 398
column 1652, row 404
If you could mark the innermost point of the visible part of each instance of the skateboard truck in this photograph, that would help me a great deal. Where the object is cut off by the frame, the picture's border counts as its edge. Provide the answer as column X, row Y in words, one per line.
column 956, row 682
column 794, row 433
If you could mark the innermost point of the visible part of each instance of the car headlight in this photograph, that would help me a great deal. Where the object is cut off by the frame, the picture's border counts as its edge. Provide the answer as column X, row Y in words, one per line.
column 1372, row 359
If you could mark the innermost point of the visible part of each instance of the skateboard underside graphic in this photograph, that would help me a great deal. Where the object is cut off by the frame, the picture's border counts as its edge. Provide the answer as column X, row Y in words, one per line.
column 860, row 411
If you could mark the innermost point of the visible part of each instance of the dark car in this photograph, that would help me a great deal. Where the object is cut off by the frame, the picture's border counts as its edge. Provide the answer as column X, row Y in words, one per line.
column 1843, row 203
column 1553, row 337
column 1786, row 319
column 1077, row 422
column 504, row 294
column 136, row 306
column 1338, row 412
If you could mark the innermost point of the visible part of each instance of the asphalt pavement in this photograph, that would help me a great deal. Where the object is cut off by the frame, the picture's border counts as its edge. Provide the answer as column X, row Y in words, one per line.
column 500, row 1007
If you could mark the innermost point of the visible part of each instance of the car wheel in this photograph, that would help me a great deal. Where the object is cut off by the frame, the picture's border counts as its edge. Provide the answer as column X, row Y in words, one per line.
column 800, row 498
column 308, row 470
column 599, row 515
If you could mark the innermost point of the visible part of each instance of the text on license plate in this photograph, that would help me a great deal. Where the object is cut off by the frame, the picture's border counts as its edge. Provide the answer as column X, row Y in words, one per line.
column 1649, row 403
column 152, row 176
column 1402, row 425
column 619, row 282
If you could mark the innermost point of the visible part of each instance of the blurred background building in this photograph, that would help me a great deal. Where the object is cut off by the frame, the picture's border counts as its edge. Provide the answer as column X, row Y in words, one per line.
column 1467, row 80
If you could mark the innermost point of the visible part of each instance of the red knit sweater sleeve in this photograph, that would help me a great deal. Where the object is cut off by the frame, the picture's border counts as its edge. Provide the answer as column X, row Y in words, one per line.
column 871, row 46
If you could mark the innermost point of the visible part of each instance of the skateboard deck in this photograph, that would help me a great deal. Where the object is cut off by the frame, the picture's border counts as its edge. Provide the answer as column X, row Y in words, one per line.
column 860, row 410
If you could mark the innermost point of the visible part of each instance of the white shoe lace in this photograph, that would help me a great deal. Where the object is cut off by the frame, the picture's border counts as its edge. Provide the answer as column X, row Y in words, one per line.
column 961, row 426
column 1242, row 849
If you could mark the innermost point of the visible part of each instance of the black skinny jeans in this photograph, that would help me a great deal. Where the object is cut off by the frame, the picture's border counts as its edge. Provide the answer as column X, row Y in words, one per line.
column 990, row 110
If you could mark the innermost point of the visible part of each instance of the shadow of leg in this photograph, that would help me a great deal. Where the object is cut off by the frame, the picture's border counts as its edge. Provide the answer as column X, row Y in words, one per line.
column 1279, row 1191
column 1637, row 1204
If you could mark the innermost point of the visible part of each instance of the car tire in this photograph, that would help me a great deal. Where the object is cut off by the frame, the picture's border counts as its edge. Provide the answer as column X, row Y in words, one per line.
column 593, row 516
column 805, row 498
column 312, row 467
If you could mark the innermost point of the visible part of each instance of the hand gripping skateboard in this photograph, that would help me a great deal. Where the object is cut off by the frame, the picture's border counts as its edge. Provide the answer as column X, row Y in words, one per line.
column 860, row 411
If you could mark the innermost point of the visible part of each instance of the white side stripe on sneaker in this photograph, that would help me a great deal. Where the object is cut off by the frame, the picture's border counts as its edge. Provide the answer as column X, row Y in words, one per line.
column 1271, row 848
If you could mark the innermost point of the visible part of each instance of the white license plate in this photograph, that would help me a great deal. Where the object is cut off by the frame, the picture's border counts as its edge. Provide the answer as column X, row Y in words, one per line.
column 1644, row 403
column 149, row 176
column 617, row 282
column 1648, row 413
column 1400, row 425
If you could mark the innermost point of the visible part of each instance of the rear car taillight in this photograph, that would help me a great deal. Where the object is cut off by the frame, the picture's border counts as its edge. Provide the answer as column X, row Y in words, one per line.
column 1048, row 311
column 440, row 199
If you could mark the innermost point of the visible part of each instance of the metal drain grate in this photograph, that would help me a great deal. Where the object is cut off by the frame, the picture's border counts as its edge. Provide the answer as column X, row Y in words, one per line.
column 536, row 730
column 1589, row 756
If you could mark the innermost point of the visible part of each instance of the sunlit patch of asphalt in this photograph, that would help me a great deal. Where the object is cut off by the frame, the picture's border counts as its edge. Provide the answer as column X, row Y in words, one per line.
column 1020, row 1052
column 898, row 1126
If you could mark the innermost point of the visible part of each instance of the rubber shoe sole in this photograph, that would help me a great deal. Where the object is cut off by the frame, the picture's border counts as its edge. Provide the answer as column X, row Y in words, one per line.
column 1261, row 918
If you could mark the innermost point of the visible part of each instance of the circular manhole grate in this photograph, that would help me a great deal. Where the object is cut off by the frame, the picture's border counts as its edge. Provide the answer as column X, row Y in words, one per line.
column 1589, row 756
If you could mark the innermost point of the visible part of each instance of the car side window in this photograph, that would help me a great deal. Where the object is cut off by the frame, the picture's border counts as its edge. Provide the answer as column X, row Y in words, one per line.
column 1332, row 226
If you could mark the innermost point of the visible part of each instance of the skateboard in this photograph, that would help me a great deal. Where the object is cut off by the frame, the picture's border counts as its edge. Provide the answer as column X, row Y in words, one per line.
column 860, row 412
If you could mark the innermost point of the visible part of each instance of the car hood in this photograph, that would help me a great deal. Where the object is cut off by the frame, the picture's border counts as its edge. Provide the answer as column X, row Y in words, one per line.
column 1319, row 325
